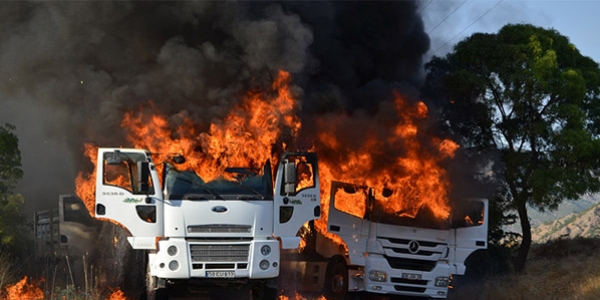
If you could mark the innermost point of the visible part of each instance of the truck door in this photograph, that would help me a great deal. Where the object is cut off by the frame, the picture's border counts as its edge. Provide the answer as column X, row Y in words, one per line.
column 348, row 206
column 469, row 233
column 128, row 192
column 297, row 198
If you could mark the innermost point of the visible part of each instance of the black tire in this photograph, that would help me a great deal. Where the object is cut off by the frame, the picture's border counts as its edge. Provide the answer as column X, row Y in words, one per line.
column 336, row 280
column 263, row 292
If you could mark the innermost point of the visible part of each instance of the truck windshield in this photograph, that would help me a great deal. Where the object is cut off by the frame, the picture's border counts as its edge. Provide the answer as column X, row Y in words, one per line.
column 464, row 213
column 358, row 201
column 75, row 211
column 423, row 219
column 187, row 185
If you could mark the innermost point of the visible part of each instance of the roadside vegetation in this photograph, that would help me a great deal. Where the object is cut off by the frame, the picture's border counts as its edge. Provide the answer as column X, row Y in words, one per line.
column 565, row 269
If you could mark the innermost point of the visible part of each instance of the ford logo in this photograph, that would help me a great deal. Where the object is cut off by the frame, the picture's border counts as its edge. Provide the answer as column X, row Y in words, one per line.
column 219, row 209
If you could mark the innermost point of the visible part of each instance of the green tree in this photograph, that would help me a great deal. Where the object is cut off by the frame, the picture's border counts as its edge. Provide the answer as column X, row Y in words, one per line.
column 12, row 221
column 526, row 97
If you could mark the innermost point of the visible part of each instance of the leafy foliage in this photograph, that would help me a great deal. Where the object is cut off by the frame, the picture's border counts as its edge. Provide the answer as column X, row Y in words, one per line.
column 12, row 222
column 10, row 160
column 528, row 97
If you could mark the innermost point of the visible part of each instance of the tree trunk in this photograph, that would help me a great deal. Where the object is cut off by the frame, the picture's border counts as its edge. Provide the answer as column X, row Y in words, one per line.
column 526, row 242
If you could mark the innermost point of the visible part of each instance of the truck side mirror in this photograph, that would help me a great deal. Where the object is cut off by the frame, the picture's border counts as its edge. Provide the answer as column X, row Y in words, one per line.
column 143, row 169
column 289, row 177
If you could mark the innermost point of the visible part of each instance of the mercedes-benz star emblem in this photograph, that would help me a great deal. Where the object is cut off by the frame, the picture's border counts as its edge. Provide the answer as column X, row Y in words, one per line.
column 413, row 247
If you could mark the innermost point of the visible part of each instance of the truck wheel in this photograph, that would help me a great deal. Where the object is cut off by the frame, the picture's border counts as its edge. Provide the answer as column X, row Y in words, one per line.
column 263, row 292
column 336, row 280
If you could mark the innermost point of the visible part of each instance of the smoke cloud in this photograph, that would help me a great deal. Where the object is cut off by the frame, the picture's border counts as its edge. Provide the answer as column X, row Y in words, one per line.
column 70, row 70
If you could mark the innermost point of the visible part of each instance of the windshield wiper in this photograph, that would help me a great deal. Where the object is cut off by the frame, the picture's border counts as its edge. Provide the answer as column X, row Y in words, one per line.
column 195, row 197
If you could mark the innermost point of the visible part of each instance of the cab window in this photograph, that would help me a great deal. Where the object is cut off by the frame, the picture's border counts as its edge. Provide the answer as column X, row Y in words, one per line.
column 305, row 174
column 468, row 214
column 122, row 170
column 351, row 200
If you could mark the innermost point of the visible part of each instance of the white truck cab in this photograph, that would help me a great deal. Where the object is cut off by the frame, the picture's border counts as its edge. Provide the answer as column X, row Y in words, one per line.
column 207, row 232
column 384, row 253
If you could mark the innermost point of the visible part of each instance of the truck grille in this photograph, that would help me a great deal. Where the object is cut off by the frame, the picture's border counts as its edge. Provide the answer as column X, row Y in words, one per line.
column 425, row 249
column 219, row 228
column 219, row 253
column 410, row 264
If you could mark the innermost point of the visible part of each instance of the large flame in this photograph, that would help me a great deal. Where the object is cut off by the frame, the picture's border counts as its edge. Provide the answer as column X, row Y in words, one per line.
column 404, row 169
column 393, row 155
column 246, row 137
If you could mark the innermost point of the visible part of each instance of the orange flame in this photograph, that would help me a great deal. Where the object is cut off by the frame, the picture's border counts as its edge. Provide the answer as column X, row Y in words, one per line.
column 395, row 157
column 23, row 291
column 246, row 137
column 85, row 183
column 116, row 295
column 404, row 169
column 298, row 296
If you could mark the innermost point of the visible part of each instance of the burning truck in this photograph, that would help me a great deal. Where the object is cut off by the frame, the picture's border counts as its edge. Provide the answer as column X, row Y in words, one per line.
column 65, row 230
column 207, row 219
column 366, row 249
column 198, row 232
column 231, row 231
column 64, row 238
column 83, row 255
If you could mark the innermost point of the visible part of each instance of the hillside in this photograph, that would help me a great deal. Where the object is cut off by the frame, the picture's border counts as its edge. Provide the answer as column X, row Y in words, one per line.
column 548, row 224
column 584, row 223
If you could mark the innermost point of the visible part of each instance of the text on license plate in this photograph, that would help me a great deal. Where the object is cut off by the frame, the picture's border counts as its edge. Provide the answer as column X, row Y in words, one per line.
column 220, row 274
column 411, row 276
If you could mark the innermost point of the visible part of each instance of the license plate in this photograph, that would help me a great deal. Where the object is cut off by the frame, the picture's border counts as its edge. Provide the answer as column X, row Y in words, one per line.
column 220, row 274
column 411, row 276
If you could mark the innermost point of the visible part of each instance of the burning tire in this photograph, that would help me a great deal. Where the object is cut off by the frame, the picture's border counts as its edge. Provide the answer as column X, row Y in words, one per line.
column 336, row 279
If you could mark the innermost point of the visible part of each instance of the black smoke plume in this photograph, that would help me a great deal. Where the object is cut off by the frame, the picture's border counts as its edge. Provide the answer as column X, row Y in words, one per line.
column 69, row 70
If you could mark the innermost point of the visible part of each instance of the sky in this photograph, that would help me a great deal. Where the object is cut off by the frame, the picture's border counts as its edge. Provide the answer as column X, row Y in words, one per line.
column 450, row 21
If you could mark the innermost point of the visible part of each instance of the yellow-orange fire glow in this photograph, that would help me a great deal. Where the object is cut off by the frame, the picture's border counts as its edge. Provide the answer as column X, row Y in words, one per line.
column 413, row 176
column 116, row 295
column 395, row 156
column 23, row 291
column 85, row 183
column 353, row 204
column 298, row 296
column 245, row 137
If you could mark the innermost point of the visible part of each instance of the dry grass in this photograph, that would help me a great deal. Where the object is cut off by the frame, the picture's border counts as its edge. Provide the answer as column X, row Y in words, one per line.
column 7, row 270
column 563, row 269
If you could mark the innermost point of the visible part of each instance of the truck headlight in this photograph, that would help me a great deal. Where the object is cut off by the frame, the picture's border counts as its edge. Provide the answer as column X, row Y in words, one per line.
column 264, row 264
column 172, row 250
column 442, row 281
column 173, row 265
column 265, row 250
column 378, row 276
